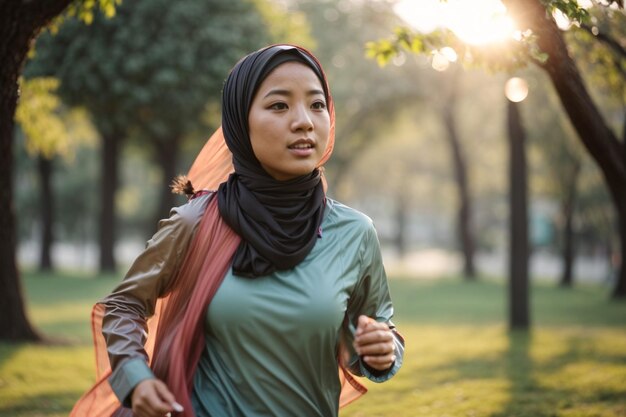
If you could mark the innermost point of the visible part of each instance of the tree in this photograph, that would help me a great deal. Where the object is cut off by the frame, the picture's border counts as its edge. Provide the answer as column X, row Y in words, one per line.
column 542, row 43
column 39, row 116
column 20, row 23
column 559, row 173
column 566, row 166
column 72, row 187
column 464, row 229
column 519, row 316
column 148, row 75
column 597, row 45
column 596, row 220
column 597, row 137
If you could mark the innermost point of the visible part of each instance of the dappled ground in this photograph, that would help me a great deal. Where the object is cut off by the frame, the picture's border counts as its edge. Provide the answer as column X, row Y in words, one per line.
column 464, row 370
column 460, row 360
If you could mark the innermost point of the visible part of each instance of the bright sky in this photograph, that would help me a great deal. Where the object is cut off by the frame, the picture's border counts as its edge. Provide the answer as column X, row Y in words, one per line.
column 476, row 21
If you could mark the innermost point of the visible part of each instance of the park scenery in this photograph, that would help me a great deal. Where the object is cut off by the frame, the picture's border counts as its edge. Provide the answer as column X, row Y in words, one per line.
column 485, row 139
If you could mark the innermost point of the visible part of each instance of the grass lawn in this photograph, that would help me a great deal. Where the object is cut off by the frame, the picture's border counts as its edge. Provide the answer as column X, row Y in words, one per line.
column 460, row 358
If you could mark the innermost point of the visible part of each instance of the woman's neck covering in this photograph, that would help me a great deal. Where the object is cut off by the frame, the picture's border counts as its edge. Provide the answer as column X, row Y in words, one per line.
column 278, row 221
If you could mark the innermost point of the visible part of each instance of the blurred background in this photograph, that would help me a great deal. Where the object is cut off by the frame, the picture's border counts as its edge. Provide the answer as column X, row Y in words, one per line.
column 125, row 103
column 485, row 139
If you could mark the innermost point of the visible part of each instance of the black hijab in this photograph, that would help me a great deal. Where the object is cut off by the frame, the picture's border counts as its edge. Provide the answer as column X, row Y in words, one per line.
column 278, row 221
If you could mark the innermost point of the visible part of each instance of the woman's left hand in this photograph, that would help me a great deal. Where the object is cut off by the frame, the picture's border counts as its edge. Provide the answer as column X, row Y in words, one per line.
column 374, row 342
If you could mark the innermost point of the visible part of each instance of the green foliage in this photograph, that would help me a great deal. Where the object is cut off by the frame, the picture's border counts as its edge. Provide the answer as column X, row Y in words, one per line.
column 574, row 11
column 569, row 8
column 405, row 39
column 507, row 55
column 285, row 26
column 50, row 129
column 85, row 10
column 599, row 50
column 152, row 69
column 38, row 115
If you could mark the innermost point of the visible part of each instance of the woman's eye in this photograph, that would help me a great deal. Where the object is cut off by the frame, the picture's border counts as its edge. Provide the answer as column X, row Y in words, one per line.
column 319, row 105
column 278, row 106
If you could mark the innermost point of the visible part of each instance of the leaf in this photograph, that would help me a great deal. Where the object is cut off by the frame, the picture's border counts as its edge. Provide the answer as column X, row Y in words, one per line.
column 38, row 114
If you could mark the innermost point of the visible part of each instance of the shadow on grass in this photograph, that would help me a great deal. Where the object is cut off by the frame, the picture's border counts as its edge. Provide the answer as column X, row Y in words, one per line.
column 525, row 392
column 7, row 352
column 537, row 382
column 529, row 397
column 580, row 349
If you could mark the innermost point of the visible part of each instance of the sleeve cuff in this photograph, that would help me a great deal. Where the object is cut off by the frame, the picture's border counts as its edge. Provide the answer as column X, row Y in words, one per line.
column 379, row 376
column 126, row 377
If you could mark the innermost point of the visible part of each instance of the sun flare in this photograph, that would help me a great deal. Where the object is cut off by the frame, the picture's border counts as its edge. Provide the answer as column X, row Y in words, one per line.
column 478, row 22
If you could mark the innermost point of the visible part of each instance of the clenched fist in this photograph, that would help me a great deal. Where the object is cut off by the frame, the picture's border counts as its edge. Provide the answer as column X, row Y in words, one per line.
column 374, row 342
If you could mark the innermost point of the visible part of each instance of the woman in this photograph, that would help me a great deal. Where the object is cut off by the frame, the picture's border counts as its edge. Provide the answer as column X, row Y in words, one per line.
column 265, row 293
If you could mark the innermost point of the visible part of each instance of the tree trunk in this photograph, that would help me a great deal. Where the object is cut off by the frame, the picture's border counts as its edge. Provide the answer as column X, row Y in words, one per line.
column 464, row 214
column 167, row 154
column 519, row 317
column 619, row 291
column 601, row 143
column 109, row 181
column 567, row 278
column 401, row 222
column 569, row 244
column 44, row 166
column 19, row 24
column 611, row 257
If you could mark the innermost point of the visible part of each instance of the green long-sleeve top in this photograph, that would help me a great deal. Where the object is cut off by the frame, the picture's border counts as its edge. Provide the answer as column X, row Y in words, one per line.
column 271, row 342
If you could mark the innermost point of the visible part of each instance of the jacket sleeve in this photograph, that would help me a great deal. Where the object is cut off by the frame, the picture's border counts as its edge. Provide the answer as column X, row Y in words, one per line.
column 128, row 307
column 371, row 297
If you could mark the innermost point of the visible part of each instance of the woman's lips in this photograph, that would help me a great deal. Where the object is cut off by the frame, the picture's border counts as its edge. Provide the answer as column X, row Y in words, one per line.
column 302, row 147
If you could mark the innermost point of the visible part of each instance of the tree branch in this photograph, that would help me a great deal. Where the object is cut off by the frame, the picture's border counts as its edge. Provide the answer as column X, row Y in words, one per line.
column 42, row 12
column 612, row 43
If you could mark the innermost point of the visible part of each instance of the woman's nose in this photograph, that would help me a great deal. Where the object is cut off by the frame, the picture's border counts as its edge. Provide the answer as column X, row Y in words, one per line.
column 302, row 119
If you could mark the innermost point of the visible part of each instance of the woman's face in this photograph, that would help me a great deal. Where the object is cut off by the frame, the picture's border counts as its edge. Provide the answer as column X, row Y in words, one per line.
column 289, row 122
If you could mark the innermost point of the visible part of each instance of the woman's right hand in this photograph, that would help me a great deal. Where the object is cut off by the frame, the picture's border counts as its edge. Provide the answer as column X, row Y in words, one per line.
column 152, row 398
